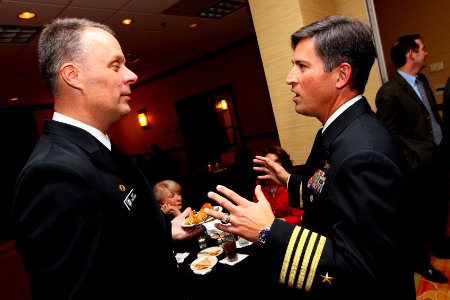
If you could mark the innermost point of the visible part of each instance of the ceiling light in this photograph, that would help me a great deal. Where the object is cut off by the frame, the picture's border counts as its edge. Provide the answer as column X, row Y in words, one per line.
column 193, row 25
column 26, row 15
column 221, row 9
column 127, row 22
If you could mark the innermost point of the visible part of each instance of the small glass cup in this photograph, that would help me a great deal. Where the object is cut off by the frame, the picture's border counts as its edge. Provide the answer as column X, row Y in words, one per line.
column 202, row 242
column 229, row 246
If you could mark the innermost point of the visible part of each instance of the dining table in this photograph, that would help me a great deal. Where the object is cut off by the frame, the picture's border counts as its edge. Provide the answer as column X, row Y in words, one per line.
column 244, row 279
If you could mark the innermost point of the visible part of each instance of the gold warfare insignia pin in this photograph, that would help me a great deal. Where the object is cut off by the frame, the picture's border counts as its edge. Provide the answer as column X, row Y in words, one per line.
column 122, row 188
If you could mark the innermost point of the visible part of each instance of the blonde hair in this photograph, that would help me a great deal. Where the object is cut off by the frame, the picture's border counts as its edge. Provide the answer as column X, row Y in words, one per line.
column 158, row 188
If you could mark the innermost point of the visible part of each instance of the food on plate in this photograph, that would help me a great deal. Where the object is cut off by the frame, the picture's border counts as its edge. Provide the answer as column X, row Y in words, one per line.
column 212, row 251
column 204, row 263
column 198, row 217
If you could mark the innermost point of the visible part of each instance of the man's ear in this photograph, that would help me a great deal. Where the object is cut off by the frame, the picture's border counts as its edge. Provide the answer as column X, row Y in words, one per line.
column 344, row 74
column 70, row 75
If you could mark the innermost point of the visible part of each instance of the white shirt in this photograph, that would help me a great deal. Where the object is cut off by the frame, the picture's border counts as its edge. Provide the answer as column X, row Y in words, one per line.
column 103, row 138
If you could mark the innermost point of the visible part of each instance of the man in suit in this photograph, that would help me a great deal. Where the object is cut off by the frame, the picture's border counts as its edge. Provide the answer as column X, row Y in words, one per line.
column 406, row 104
column 355, row 237
column 446, row 118
column 85, row 219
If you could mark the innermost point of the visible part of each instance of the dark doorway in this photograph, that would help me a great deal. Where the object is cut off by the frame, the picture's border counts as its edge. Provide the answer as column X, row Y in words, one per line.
column 208, row 128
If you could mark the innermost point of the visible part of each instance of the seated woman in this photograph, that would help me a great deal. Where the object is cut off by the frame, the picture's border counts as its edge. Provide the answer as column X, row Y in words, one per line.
column 278, row 195
column 168, row 195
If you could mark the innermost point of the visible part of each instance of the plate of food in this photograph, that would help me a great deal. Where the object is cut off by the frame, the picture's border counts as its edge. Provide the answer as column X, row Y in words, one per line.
column 198, row 218
column 211, row 251
column 203, row 264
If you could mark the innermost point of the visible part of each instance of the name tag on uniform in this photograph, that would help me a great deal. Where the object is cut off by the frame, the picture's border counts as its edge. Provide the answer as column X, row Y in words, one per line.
column 129, row 199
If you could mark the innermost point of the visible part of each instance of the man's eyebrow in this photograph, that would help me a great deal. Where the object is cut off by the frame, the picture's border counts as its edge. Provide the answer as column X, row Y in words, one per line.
column 119, row 58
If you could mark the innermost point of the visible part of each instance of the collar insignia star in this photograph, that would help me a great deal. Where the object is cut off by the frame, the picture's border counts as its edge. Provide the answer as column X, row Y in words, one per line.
column 326, row 278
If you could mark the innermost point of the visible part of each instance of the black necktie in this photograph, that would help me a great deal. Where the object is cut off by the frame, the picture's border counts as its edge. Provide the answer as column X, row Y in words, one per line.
column 316, row 155
column 436, row 128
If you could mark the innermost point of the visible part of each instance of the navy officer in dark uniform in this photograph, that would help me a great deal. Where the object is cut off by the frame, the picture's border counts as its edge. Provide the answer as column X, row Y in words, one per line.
column 85, row 218
column 355, row 239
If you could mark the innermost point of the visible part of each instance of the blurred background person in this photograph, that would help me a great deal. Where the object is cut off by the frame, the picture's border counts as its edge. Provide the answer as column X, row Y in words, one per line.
column 446, row 120
column 239, row 175
column 276, row 194
column 406, row 104
column 168, row 195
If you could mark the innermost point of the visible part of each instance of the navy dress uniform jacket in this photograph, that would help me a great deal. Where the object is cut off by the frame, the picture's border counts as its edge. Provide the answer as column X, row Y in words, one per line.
column 355, row 238
column 87, row 223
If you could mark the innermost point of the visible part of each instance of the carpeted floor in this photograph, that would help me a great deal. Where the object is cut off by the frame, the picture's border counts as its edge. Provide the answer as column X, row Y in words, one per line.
column 427, row 290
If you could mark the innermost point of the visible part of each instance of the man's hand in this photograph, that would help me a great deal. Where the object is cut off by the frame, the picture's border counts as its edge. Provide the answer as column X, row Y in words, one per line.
column 179, row 233
column 246, row 218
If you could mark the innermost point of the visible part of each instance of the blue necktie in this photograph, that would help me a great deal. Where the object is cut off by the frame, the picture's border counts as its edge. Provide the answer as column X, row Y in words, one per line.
column 436, row 128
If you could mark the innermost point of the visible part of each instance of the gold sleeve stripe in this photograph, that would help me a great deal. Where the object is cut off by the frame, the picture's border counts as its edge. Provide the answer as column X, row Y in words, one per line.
column 288, row 254
column 315, row 262
column 295, row 263
column 306, row 260
column 301, row 258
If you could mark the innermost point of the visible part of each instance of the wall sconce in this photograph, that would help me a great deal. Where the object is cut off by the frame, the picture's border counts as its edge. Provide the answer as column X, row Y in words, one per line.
column 222, row 105
column 143, row 118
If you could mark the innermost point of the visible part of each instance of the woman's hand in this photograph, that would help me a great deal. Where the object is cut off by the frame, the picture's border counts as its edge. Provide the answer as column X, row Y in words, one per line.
column 273, row 171
column 170, row 209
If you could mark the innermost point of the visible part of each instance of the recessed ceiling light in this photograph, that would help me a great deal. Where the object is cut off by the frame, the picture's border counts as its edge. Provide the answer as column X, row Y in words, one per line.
column 127, row 22
column 17, row 34
column 221, row 9
column 26, row 15
column 14, row 99
column 193, row 25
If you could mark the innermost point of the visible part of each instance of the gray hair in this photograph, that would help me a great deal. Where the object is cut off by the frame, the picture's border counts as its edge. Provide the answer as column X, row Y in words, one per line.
column 338, row 39
column 59, row 42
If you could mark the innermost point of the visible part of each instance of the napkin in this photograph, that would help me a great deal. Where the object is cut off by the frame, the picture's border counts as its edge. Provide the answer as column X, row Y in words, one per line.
column 241, row 243
column 181, row 256
column 231, row 263
column 210, row 226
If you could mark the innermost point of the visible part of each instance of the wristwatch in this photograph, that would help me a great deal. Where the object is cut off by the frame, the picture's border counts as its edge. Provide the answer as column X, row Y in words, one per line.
column 263, row 235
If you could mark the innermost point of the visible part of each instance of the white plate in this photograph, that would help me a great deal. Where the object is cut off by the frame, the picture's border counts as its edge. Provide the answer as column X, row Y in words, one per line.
column 203, row 264
column 211, row 251
column 209, row 219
